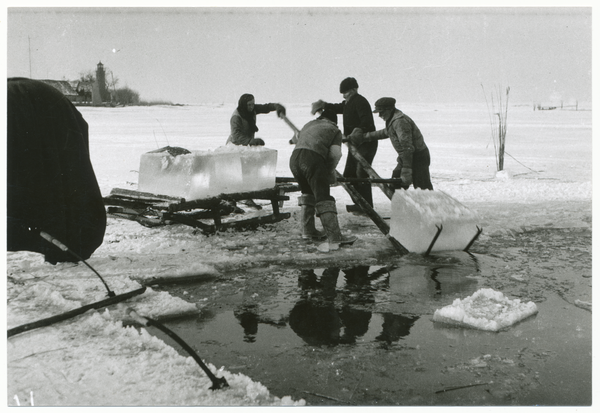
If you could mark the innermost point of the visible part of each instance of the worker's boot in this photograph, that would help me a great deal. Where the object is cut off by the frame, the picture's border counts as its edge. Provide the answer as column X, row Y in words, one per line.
column 327, row 212
column 307, row 218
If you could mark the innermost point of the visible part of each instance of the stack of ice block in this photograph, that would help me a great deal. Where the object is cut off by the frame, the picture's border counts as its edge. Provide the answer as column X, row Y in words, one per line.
column 416, row 213
column 202, row 174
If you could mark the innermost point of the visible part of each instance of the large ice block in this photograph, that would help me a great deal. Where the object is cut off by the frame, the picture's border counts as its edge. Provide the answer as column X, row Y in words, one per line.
column 202, row 174
column 416, row 212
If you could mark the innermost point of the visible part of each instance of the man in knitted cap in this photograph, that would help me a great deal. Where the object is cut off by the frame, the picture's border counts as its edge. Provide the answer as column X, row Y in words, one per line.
column 357, row 115
column 413, row 154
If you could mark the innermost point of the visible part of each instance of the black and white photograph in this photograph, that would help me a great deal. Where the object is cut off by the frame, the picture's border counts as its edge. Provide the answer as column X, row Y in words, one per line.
column 315, row 204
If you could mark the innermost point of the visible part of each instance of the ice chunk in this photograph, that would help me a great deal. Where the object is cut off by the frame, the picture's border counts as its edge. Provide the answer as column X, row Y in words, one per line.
column 486, row 309
column 202, row 174
column 258, row 165
column 416, row 212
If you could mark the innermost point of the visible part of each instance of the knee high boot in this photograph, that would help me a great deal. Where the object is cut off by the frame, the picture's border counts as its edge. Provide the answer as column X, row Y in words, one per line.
column 327, row 212
column 307, row 219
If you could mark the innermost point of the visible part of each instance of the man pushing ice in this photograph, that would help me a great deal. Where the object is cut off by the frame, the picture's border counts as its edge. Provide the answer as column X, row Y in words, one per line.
column 413, row 154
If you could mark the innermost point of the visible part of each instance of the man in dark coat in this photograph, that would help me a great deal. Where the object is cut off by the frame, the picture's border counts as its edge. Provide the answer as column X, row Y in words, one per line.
column 51, row 185
column 357, row 114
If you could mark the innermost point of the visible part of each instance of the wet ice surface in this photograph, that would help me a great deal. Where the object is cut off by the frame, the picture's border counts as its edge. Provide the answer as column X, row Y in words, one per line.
column 365, row 336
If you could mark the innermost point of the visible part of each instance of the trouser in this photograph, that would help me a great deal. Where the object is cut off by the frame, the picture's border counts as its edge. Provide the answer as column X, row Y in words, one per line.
column 421, row 161
column 309, row 169
column 420, row 170
column 353, row 169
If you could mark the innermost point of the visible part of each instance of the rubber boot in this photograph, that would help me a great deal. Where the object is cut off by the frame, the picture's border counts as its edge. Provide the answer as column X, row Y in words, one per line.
column 327, row 212
column 307, row 219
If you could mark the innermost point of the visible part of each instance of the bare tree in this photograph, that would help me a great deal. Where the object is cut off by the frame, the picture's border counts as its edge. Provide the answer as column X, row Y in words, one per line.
column 87, row 76
column 498, row 114
column 127, row 96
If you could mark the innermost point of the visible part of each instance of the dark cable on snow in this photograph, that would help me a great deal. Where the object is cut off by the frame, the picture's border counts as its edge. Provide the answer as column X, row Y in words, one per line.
column 63, row 247
column 218, row 383
column 73, row 313
column 521, row 163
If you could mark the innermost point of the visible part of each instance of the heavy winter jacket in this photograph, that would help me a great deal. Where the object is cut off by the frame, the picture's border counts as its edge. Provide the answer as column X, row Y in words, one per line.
column 241, row 132
column 405, row 136
column 318, row 136
column 357, row 114
column 51, row 184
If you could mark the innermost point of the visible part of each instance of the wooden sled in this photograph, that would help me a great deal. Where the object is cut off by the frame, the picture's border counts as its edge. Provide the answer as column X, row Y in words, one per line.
column 155, row 210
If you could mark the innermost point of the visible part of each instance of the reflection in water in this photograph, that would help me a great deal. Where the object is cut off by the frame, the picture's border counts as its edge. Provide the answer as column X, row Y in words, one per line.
column 438, row 285
column 248, row 317
column 395, row 327
column 435, row 281
column 332, row 311
column 317, row 323
column 327, row 316
column 314, row 318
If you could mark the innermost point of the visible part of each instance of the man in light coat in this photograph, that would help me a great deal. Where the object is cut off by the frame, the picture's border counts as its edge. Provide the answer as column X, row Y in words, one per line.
column 243, row 120
column 413, row 154
column 313, row 163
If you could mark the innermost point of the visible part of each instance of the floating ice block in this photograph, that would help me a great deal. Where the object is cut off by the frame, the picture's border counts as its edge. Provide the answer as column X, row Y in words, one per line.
column 416, row 213
column 486, row 309
column 202, row 174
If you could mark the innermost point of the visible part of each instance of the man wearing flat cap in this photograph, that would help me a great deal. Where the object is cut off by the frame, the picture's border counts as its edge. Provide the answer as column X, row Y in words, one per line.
column 413, row 154
column 357, row 115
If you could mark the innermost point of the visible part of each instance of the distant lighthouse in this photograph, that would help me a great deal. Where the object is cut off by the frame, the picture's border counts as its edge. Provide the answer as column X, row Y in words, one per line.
column 101, row 82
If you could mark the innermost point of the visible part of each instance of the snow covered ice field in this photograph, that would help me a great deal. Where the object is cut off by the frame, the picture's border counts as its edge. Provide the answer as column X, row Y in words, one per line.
column 92, row 360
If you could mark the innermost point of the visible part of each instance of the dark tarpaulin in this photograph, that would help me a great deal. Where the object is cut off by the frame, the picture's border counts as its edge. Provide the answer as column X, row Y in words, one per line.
column 51, row 185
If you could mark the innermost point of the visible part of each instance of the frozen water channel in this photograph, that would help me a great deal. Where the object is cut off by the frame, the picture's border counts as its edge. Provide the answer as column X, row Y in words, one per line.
column 365, row 336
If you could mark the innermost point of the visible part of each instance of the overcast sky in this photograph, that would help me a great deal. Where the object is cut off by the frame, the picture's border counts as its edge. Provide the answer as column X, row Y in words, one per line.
column 298, row 55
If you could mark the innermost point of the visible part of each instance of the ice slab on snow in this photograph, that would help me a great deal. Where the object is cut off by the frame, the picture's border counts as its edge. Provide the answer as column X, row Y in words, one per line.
column 486, row 309
column 416, row 212
column 202, row 174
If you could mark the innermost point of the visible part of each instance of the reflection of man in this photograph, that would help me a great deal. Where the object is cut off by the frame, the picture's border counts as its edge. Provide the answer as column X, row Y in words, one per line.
column 248, row 317
column 395, row 327
column 316, row 319
column 316, row 323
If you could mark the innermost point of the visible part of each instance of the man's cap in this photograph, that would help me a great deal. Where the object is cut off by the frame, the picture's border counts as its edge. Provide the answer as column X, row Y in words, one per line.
column 384, row 103
column 328, row 114
column 347, row 84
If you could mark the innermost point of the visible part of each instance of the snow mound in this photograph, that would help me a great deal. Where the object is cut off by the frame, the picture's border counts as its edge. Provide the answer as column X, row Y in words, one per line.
column 486, row 309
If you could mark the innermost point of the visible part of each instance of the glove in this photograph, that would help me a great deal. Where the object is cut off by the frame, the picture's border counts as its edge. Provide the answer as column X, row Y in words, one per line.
column 280, row 109
column 257, row 142
column 406, row 176
column 332, row 178
column 317, row 106
column 396, row 175
column 357, row 137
